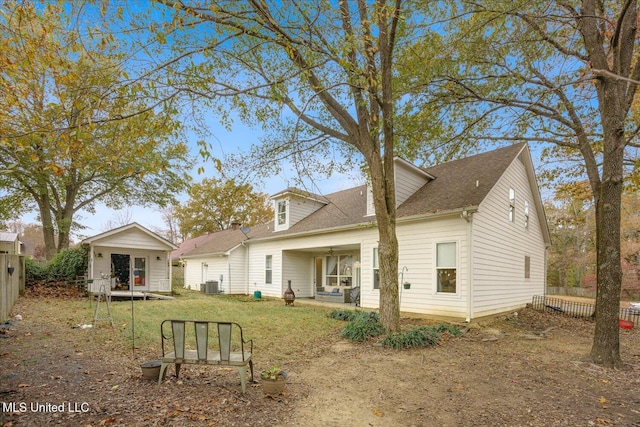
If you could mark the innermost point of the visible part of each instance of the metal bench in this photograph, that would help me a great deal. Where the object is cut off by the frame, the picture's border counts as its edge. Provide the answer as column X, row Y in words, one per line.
column 203, row 342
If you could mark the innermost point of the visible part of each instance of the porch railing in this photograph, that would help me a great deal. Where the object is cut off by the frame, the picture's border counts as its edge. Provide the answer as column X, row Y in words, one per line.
column 94, row 285
column 164, row 285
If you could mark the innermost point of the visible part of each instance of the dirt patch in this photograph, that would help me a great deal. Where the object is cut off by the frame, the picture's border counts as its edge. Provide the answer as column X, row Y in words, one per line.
column 518, row 370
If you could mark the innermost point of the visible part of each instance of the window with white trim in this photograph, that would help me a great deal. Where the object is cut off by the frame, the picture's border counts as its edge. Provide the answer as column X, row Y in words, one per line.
column 339, row 270
column 282, row 212
column 376, row 269
column 446, row 267
column 512, row 205
column 268, row 269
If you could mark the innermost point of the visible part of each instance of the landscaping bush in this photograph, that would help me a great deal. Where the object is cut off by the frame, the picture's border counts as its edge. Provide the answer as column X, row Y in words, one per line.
column 452, row 330
column 68, row 264
column 35, row 270
column 342, row 314
column 419, row 337
column 363, row 326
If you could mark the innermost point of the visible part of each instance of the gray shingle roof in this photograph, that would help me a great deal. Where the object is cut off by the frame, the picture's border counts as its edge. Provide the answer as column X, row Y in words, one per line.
column 454, row 187
column 218, row 242
column 460, row 183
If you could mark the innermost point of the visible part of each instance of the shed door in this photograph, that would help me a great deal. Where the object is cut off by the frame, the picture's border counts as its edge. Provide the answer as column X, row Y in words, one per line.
column 120, row 270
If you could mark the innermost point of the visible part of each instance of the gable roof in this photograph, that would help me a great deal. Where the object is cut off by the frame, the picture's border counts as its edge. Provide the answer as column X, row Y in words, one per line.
column 218, row 243
column 189, row 245
column 461, row 183
column 456, row 185
column 300, row 193
column 125, row 228
column 453, row 188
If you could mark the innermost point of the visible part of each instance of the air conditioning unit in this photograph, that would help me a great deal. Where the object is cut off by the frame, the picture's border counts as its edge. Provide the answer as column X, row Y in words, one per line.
column 211, row 287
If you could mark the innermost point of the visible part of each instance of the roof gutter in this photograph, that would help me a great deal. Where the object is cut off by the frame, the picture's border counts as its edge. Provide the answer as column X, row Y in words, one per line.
column 205, row 255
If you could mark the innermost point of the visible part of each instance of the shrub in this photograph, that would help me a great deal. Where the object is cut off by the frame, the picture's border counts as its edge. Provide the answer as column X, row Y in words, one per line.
column 68, row 264
column 363, row 326
column 419, row 337
column 35, row 270
column 452, row 330
column 415, row 337
column 342, row 314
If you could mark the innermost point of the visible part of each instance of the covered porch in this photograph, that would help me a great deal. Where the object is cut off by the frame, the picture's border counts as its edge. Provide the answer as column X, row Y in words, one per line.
column 328, row 274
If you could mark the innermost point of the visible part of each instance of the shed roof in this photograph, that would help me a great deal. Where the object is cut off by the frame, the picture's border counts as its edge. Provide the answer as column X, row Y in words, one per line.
column 124, row 229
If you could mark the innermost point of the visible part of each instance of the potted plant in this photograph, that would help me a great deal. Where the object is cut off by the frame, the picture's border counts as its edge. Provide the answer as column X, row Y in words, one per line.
column 273, row 380
column 407, row 285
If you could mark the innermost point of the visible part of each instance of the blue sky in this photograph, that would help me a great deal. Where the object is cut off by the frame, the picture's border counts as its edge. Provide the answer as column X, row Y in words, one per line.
column 223, row 142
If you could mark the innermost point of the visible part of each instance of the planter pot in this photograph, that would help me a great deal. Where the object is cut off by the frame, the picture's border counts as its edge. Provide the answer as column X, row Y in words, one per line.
column 407, row 285
column 151, row 370
column 274, row 387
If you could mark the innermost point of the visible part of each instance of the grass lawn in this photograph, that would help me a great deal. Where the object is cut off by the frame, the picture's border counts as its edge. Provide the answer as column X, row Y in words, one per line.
column 280, row 334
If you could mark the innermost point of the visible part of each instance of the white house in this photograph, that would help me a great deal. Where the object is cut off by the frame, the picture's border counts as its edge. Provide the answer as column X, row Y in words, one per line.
column 133, row 257
column 220, row 257
column 472, row 239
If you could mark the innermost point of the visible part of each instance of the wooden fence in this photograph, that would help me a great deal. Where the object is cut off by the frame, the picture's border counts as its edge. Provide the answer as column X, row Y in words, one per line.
column 12, row 277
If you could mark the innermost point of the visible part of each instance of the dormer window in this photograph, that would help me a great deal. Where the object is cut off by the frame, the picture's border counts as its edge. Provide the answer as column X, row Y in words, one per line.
column 282, row 212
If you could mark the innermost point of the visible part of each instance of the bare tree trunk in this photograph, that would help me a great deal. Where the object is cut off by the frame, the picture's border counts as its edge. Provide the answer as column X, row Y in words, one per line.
column 606, row 341
column 48, row 229
column 387, row 247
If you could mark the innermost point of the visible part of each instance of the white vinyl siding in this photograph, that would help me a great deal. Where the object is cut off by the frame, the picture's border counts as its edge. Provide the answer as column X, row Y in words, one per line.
column 215, row 266
column 500, row 247
column 293, row 259
column 132, row 238
column 417, row 251
column 298, row 267
column 256, row 271
column 291, row 209
column 408, row 181
column 235, row 281
column 416, row 242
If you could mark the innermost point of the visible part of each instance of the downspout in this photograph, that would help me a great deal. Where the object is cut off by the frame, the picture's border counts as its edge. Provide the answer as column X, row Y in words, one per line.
column 544, row 275
column 91, row 262
column 467, row 216
column 168, row 261
column 246, row 268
